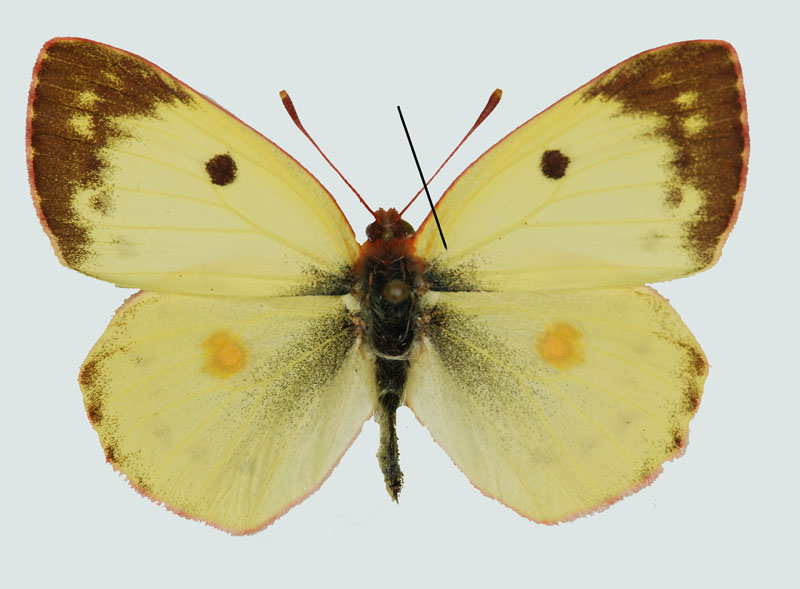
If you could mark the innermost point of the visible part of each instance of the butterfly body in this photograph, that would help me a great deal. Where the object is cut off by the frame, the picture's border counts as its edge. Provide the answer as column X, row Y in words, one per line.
column 390, row 281
column 264, row 335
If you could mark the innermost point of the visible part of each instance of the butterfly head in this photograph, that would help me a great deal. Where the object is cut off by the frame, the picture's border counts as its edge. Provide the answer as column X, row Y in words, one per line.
column 388, row 226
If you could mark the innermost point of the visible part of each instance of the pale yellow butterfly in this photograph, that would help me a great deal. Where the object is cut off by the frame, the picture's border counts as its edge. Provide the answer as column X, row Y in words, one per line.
column 265, row 335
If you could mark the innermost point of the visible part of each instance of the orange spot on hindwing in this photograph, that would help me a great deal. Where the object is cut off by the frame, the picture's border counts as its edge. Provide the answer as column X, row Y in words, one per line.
column 561, row 345
column 225, row 355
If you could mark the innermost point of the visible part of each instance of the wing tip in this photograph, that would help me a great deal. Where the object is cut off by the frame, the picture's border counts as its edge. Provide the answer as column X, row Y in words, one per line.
column 35, row 196
column 350, row 245
column 739, row 197
column 745, row 157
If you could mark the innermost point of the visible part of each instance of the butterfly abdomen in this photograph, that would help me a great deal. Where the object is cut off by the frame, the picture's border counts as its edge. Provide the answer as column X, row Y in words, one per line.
column 389, row 278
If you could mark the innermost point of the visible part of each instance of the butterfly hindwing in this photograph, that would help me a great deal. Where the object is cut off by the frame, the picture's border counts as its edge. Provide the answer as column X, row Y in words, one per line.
column 228, row 410
column 556, row 403
column 634, row 178
column 141, row 181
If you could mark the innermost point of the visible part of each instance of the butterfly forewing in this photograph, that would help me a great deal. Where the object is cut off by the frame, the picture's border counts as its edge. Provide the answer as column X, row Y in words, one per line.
column 141, row 181
column 634, row 178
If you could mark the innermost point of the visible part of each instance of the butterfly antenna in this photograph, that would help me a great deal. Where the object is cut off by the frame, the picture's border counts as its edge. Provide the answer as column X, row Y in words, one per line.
column 289, row 106
column 487, row 110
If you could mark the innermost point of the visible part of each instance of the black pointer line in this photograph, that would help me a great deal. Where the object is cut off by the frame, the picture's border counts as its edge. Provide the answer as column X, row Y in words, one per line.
column 422, row 177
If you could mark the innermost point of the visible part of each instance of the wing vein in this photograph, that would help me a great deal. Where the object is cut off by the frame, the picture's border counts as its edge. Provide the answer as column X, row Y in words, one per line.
column 518, row 377
column 254, row 406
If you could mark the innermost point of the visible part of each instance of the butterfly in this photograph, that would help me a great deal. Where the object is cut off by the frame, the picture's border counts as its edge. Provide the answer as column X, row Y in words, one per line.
column 264, row 335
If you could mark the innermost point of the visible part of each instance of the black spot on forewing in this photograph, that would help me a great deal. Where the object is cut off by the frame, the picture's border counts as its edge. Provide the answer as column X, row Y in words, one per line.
column 695, row 89
column 96, row 85
column 221, row 169
column 554, row 164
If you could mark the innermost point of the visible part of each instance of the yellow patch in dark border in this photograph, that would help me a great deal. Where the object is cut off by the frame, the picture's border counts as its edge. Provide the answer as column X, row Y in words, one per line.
column 695, row 90
column 79, row 90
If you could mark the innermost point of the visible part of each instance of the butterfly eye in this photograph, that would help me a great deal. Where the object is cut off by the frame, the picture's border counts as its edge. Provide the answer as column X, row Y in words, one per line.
column 395, row 291
column 221, row 169
column 407, row 228
column 554, row 164
column 374, row 231
column 389, row 228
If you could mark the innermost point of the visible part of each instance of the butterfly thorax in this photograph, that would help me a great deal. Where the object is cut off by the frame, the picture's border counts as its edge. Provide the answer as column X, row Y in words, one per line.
column 389, row 281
